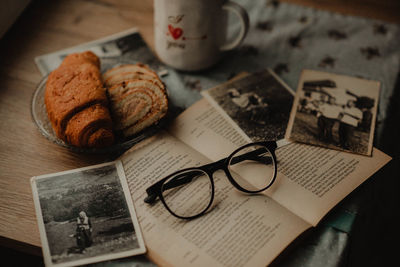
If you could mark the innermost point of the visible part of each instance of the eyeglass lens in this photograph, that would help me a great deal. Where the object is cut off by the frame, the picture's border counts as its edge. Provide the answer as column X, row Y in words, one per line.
column 188, row 193
column 252, row 167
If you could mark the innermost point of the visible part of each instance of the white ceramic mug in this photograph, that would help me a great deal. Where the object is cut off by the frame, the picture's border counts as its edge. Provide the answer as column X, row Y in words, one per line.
column 190, row 35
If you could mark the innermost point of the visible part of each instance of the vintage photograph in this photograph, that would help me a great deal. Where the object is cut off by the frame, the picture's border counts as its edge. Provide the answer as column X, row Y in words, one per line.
column 86, row 216
column 259, row 104
column 123, row 48
column 335, row 111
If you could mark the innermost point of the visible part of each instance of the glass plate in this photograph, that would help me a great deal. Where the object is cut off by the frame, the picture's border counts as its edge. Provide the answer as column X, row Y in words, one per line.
column 39, row 116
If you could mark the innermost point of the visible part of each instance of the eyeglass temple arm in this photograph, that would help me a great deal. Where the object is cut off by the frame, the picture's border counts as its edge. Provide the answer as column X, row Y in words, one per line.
column 179, row 180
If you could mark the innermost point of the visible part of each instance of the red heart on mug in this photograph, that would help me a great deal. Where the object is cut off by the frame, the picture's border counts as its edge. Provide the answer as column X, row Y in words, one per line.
column 175, row 32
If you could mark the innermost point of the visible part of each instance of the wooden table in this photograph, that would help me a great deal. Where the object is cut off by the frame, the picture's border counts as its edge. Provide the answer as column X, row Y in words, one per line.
column 48, row 26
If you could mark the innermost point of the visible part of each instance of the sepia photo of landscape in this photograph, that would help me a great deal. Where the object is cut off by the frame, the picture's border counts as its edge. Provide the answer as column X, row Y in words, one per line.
column 85, row 215
column 258, row 103
column 334, row 111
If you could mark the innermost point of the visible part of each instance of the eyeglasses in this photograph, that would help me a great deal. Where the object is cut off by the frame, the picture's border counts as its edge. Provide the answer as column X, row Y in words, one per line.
column 189, row 193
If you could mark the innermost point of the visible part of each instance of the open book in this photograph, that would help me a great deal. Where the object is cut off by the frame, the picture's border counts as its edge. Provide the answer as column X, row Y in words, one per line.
column 241, row 229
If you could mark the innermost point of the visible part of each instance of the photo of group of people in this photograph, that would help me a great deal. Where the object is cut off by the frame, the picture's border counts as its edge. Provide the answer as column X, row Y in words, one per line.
column 335, row 111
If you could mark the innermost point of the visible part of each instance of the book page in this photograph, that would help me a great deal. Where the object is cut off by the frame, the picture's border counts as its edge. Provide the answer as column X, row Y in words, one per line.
column 208, row 128
column 314, row 179
column 207, row 131
column 239, row 230
column 311, row 180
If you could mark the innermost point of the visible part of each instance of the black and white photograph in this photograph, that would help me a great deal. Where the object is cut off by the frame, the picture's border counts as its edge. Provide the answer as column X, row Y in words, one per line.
column 335, row 111
column 86, row 215
column 123, row 48
column 259, row 104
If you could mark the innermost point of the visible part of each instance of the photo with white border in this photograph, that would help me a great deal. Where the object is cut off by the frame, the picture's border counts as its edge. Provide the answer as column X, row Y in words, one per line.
column 86, row 215
column 258, row 105
column 334, row 111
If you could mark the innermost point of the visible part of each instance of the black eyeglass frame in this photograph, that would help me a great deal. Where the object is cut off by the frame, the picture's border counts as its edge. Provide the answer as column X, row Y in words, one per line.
column 155, row 190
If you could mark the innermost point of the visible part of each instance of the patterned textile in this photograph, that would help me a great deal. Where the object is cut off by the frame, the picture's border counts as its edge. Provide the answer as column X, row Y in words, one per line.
column 289, row 38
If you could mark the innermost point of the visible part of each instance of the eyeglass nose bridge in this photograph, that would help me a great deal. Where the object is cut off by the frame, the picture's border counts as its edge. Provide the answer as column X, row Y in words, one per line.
column 214, row 166
column 222, row 165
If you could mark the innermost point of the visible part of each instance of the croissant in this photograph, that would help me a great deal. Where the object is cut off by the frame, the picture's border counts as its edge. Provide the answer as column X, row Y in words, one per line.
column 138, row 97
column 76, row 102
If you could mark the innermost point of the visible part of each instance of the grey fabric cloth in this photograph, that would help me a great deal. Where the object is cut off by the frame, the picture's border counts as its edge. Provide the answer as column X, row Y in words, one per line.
column 289, row 38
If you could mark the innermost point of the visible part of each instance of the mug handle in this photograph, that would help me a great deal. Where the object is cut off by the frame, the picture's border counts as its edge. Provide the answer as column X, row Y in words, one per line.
column 241, row 13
